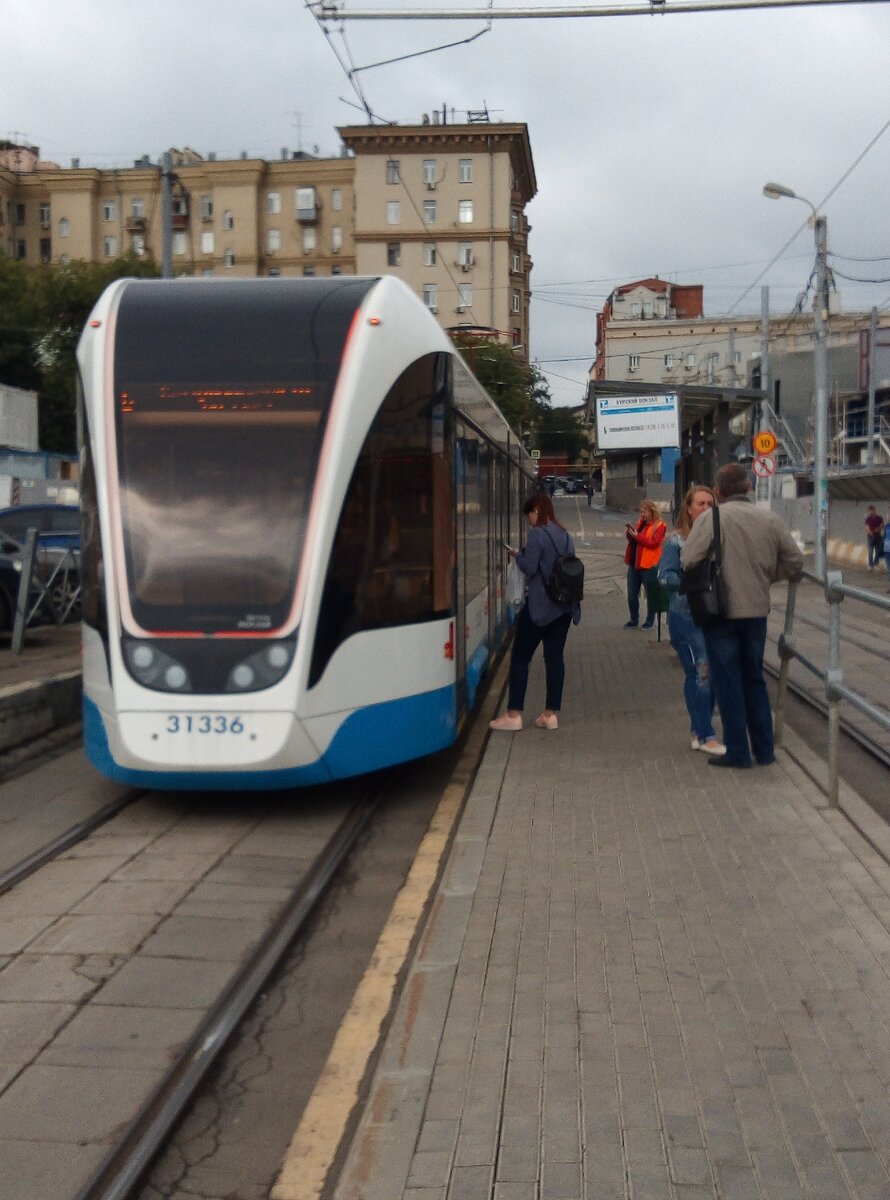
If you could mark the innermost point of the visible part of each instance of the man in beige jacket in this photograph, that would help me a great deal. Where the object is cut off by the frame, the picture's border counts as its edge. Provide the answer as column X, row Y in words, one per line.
column 757, row 549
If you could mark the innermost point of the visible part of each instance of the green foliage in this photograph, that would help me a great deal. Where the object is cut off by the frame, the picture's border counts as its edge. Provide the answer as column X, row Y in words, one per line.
column 42, row 312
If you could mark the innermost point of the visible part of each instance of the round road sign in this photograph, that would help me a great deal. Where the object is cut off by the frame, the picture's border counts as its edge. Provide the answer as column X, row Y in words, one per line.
column 764, row 442
column 764, row 465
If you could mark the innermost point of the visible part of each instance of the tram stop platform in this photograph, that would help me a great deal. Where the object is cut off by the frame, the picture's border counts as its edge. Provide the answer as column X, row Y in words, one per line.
column 40, row 690
column 640, row 977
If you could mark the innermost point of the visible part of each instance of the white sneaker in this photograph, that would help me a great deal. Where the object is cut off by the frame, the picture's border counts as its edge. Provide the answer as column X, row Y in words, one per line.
column 712, row 746
column 696, row 744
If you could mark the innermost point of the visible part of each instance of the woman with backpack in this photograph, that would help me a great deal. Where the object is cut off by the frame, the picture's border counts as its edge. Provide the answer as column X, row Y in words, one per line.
column 542, row 620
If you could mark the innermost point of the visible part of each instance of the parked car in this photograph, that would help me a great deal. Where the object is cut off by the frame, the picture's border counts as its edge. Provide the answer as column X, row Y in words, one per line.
column 59, row 524
column 56, row 570
column 10, row 574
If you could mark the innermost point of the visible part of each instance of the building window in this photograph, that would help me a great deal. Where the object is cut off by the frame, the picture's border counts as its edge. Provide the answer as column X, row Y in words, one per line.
column 465, row 254
column 633, row 362
column 273, row 240
column 44, row 216
column 109, row 247
column 431, row 296
column 336, row 200
column 635, row 309
column 20, row 217
column 393, row 254
column 137, row 209
column 20, row 248
column 429, row 254
column 307, row 204
column 228, row 219
column 464, row 296
column 392, row 170
column 514, row 221
column 207, row 272
column 669, row 361
column 46, row 250
column 274, row 272
column 64, row 227
column 273, row 203
column 429, row 212
column 690, row 361
column 138, row 245
column 228, row 257
column 309, row 240
column 336, row 239
column 465, row 170
column 206, row 208
column 515, row 301
column 465, row 212
column 180, row 206
column 393, row 212
column 109, row 210
column 309, row 272
column 429, row 170
column 207, row 242
column 647, row 308
column 336, row 269
column 180, row 242
column 517, row 263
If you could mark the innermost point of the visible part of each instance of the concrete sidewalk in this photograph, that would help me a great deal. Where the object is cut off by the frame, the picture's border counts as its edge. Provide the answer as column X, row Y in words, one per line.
column 641, row 977
column 39, row 688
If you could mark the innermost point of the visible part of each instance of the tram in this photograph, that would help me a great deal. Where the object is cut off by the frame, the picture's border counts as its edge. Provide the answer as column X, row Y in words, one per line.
column 295, row 502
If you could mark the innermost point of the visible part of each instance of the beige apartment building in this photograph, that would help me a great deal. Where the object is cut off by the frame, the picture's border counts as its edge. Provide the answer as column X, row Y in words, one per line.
column 442, row 206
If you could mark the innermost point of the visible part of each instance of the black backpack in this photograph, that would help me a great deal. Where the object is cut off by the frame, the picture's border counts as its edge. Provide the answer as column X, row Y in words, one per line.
column 566, row 582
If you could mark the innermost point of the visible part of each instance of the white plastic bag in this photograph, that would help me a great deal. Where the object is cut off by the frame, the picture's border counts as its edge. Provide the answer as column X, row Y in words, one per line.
column 516, row 584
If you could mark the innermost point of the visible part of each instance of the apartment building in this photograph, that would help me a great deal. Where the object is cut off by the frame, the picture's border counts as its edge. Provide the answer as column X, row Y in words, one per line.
column 442, row 206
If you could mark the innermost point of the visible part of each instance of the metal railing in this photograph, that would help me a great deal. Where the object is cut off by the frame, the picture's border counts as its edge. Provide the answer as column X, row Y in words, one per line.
column 836, row 691
column 48, row 589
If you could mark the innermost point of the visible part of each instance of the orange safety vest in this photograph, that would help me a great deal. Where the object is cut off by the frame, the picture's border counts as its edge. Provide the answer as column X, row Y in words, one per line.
column 649, row 555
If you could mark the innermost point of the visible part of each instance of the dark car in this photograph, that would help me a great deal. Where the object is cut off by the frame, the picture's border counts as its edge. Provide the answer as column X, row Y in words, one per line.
column 10, row 574
column 58, row 524
column 56, row 574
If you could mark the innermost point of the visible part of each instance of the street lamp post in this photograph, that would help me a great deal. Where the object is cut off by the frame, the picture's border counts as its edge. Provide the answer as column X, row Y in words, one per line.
column 776, row 191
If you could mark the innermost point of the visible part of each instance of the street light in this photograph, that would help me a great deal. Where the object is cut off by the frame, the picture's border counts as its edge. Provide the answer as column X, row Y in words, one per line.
column 777, row 191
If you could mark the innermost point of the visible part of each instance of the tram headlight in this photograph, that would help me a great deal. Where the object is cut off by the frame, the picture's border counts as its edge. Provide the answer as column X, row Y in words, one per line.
column 262, row 668
column 154, row 668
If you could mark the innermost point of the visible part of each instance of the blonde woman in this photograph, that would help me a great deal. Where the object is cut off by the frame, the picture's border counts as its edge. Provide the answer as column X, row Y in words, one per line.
column 643, row 552
column 686, row 637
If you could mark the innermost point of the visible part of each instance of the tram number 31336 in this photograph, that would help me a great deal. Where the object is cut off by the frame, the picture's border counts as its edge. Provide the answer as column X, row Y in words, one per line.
column 211, row 723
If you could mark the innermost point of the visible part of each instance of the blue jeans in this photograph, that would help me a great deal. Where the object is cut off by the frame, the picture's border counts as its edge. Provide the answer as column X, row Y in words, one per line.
column 689, row 643
column 526, row 640
column 637, row 579
column 735, row 653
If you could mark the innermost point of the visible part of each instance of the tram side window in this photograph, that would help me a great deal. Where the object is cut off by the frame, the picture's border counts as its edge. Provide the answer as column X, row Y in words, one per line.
column 392, row 559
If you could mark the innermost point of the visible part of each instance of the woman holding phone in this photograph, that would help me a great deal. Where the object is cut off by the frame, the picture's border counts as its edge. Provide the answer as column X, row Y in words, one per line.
column 642, row 554
column 541, row 620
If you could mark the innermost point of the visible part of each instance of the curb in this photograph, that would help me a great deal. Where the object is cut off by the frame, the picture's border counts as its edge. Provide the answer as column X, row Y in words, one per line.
column 31, row 710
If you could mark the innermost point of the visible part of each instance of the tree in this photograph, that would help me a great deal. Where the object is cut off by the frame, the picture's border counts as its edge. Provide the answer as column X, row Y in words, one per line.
column 42, row 313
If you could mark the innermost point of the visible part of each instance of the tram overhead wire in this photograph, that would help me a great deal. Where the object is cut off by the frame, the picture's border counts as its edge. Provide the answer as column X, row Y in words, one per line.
column 334, row 10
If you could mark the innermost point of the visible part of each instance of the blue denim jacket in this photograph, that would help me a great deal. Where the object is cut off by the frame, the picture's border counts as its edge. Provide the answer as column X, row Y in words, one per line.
column 536, row 561
column 669, row 574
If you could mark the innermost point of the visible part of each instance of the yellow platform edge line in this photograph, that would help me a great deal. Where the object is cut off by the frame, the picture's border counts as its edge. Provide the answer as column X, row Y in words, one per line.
column 317, row 1138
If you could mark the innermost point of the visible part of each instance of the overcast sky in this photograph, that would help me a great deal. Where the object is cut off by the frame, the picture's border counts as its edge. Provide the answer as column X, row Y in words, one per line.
column 652, row 135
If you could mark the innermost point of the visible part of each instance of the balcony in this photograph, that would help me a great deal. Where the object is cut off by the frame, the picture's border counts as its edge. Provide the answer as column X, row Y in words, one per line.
column 135, row 224
column 180, row 221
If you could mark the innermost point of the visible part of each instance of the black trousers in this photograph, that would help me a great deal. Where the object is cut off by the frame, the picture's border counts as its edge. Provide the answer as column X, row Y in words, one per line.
column 526, row 640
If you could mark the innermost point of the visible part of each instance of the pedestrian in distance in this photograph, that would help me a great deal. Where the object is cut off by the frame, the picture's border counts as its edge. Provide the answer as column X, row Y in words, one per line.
column 874, row 534
column 641, row 556
column 541, row 620
column 686, row 638
column 887, row 547
column 589, row 490
column 757, row 550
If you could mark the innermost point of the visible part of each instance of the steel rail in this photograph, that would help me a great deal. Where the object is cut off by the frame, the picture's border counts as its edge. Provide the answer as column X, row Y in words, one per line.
column 143, row 1138
column 77, row 833
column 335, row 10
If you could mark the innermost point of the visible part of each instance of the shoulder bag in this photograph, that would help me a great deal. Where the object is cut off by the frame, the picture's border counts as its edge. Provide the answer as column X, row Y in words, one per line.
column 703, row 585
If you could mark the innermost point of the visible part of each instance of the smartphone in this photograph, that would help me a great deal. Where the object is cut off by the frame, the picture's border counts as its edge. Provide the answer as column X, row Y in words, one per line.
column 512, row 549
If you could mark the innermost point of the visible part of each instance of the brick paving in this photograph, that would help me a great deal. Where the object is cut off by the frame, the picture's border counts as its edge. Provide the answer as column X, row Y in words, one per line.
column 641, row 977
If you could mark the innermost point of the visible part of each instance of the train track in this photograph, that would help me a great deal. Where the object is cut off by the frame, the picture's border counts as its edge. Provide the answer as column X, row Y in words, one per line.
column 144, row 1136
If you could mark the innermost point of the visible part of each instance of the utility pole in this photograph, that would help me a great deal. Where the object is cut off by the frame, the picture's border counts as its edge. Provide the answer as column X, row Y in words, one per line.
column 872, row 372
column 765, row 376
column 167, row 215
column 820, row 459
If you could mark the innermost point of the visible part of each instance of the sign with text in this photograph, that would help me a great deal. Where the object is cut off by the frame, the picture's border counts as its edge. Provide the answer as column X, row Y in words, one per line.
column 637, row 422
column 764, row 442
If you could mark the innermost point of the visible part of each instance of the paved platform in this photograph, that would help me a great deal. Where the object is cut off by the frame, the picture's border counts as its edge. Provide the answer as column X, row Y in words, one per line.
column 641, row 977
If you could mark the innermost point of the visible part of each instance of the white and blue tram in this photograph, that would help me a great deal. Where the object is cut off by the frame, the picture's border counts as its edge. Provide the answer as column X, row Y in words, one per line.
column 295, row 500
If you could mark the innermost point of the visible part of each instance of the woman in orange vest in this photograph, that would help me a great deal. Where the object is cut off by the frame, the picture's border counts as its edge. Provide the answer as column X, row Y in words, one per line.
column 643, row 552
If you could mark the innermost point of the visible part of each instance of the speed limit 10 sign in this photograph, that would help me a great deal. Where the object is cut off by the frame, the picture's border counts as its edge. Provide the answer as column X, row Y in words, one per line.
column 764, row 442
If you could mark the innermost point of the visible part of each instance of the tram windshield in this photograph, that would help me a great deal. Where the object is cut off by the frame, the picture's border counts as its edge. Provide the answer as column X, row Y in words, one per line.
column 222, row 391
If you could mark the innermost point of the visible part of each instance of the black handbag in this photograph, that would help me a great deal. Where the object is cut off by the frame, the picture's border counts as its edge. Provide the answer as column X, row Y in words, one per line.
column 703, row 585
